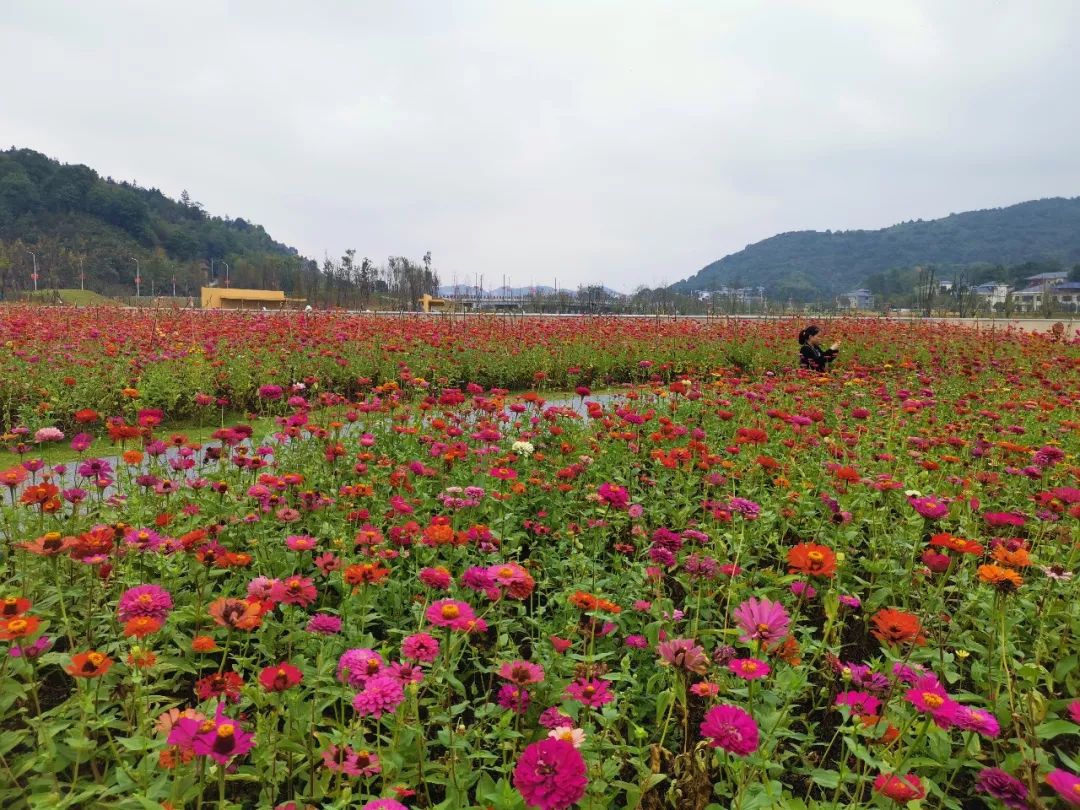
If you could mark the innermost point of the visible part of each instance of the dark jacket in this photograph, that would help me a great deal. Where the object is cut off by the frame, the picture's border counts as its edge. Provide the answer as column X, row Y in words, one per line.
column 815, row 358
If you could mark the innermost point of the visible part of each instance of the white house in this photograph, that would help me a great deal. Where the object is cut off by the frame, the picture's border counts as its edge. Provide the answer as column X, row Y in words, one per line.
column 992, row 292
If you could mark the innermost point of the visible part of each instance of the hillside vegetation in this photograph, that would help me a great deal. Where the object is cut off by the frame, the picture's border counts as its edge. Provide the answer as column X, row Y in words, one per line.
column 805, row 265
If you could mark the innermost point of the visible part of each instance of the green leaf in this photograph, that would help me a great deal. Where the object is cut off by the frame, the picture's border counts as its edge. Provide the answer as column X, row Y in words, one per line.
column 1052, row 728
column 825, row 779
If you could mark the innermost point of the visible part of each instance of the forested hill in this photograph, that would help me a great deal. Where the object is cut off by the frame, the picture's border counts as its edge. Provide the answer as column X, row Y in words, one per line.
column 74, row 219
column 806, row 265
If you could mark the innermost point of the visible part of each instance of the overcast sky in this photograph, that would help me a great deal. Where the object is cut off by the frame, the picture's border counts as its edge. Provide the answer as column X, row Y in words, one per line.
column 621, row 142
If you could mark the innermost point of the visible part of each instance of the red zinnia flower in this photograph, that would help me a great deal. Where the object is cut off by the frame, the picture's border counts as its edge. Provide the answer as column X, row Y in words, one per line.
column 280, row 678
column 91, row 664
column 897, row 627
column 813, row 559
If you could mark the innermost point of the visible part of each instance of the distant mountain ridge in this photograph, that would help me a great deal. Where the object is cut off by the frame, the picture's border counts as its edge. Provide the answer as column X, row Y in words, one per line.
column 804, row 265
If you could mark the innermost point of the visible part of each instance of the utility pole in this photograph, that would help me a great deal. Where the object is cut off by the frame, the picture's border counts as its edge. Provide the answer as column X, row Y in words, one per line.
column 226, row 273
column 34, row 275
column 138, row 279
column 82, row 275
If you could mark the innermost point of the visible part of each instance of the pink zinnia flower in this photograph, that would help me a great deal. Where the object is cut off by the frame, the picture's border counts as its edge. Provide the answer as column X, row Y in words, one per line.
column 356, row 666
column 705, row 689
column 553, row 718
column 683, row 653
column 514, row 697
column 301, row 542
column 522, row 673
column 224, row 740
column 929, row 696
column 384, row 804
column 930, row 507
column 970, row 718
column 151, row 601
column 294, row 591
column 574, row 736
column 438, row 578
column 350, row 762
column 420, row 647
column 550, row 775
column 859, row 702
column 762, row 620
column 451, row 613
column 380, row 695
column 324, row 623
column 1074, row 711
column 590, row 692
column 1000, row 519
column 749, row 669
column 614, row 496
column 730, row 728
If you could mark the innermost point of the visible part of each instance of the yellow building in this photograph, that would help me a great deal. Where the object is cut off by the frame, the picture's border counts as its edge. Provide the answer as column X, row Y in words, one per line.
column 232, row 298
column 431, row 304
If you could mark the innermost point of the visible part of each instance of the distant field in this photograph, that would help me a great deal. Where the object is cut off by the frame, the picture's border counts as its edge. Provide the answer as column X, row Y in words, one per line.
column 82, row 298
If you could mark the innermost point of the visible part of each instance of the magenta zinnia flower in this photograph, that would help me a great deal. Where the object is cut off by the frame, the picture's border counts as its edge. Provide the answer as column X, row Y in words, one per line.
column 930, row 507
column 381, row 694
column 550, row 775
column 1066, row 784
column 929, row 696
column 613, row 495
column 151, row 601
column 514, row 697
column 683, row 653
column 590, row 692
column 749, row 669
column 762, row 620
column 420, row 647
column 970, row 718
column 324, row 623
column 862, row 703
column 356, row 666
column 1004, row 787
column 384, row 804
column 730, row 728
column 224, row 739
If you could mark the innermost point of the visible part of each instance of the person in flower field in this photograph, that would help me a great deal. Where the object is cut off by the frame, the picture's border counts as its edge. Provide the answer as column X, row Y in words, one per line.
column 811, row 355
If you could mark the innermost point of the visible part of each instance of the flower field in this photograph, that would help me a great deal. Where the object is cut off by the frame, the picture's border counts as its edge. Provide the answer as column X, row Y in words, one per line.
column 534, row 563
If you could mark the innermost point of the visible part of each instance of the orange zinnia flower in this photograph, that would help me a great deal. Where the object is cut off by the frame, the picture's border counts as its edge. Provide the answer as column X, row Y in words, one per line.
column 18, row 627
column 141, row 658
column 365, row 574
column 203, row 644
column 48, row 545
column 811, row 558
column 1014, row 559
column 897, row 627
column 90, row 664
column 956, row 544
column 1004, row 579
column 235, row 613
column 141, row 626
